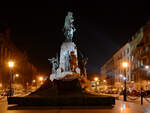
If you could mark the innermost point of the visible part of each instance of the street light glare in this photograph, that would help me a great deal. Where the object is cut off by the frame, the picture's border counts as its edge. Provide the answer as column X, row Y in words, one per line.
column 125, row 64
column 17, row 75
column 104, row 80
column 124, row 78
column 146, row 67
column 33, row 81
column 41, row 78
column 96, row 78
column 11, row 64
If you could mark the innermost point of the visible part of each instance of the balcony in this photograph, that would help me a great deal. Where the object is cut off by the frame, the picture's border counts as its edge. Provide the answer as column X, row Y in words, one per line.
column 143, row 55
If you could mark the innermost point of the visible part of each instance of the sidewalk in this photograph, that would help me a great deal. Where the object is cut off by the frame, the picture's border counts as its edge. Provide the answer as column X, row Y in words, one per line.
column 120, row 107
column 129, row 107
column 3, row 104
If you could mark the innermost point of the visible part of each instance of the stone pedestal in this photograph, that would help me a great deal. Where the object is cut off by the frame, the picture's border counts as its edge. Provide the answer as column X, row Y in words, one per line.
column 68, row 62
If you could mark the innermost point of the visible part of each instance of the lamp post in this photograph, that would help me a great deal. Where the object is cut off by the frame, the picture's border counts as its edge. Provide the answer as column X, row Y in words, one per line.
column 96, row 80
column 17, row 75
column 15, row 81
column 105, row 84
column 11, row 65
column 146, row 67
column 41, row 79
column 34, row 81
column 125, row 65
column 104, row 81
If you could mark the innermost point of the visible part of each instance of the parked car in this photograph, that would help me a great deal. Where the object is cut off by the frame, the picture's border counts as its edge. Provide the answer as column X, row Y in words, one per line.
column 4, row 94
column 135, row 93
column 147, row 93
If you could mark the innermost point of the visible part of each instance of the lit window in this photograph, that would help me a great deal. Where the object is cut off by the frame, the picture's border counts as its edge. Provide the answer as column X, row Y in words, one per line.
column 132, row 58
column 147, row 48
column 138, row 63
column 141, row 62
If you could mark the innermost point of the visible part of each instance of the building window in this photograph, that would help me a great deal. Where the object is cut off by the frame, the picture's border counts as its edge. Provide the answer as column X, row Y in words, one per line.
column 144, row 61
column 147, row 48
column 132, row 67
column 147, row 39
column 1, row 55
column 140, row 52
column 9, row 54
column 138, row 63
column 2, row 51
column 127, row 50
column 122, row 54
column 5, row 52
column 141, row 62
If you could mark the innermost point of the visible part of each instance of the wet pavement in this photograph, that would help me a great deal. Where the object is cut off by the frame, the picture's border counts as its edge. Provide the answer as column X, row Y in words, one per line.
column 120, row 107
column 3, row 104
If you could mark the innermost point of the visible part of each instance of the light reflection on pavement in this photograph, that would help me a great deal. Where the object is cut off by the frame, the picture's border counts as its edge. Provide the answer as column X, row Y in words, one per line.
column 123, row 108
column 120, row 107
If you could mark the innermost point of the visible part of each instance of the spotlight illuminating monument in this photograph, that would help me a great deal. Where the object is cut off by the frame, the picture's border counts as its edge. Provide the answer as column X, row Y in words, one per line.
column 66, row 66
column 68, row 73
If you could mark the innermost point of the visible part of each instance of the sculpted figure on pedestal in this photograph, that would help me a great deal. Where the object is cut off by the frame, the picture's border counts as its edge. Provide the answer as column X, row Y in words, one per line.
column 69, row 28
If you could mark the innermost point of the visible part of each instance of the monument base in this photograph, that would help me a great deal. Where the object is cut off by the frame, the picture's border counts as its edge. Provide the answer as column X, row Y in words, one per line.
column 61, row 93
column 63, row 101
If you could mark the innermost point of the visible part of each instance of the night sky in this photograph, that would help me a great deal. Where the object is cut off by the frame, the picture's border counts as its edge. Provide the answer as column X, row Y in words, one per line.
column 102, row 28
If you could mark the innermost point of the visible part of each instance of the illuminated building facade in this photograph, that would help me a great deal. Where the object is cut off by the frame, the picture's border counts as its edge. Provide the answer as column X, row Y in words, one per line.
column 141, row 60
column 8, row 51
column 137, row 53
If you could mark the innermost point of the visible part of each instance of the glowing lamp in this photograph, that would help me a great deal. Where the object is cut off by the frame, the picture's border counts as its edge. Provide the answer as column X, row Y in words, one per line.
column 96, row 78
column 125, row 64
column 11, row 64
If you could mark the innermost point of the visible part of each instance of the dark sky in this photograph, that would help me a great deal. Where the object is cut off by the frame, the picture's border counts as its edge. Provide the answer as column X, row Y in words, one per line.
column 102, row 28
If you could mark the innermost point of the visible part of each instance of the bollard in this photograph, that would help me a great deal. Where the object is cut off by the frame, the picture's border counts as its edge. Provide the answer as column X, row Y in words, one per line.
column 141, row 99
column 142, row 96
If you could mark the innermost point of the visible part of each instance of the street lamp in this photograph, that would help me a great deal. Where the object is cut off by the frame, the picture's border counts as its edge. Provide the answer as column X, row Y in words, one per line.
column 41, row 79
column 17, row 75
column 125, row 65
column 33, row 81
column 96, row 80
column 104, row 81
column 105, row 84
column 121, row 75
column 11, row 65
column 147, row 67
